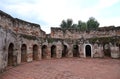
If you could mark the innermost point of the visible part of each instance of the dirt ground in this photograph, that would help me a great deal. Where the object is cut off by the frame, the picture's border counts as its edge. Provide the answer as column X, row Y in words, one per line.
column 66, row 68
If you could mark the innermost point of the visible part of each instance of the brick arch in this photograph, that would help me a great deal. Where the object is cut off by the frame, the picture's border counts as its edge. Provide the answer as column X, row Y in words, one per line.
column 44, row 51
column 35, row 52
column 24, row 53
column 88, row 50
column 75, row 50
column 53, row 51
column 64, row 50
column 11, row 54
column 107, row 50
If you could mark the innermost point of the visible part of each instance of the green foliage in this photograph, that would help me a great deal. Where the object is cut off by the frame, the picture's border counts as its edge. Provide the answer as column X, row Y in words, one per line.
column 50, row 40
column 103, row 39
column 92, row 23
column 29, row 37
column 81, row 25
column 89, row 25
column 67, row 24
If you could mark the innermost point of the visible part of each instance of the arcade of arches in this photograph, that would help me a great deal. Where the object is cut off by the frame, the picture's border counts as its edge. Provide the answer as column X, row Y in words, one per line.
column 52, row 52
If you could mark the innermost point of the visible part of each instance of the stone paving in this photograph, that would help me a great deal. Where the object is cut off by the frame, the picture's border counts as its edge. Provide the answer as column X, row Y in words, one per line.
column 66, row 68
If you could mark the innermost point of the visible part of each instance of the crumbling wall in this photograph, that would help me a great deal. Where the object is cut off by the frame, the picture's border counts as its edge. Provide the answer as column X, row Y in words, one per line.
column 20, row 26
column 7, row 37
column 77, row 34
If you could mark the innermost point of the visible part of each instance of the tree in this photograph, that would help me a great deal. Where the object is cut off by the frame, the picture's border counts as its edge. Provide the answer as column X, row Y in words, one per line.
column 79, row 24
column 63, row 24
column 92, row 23
column 67, row 24
column 82, row 25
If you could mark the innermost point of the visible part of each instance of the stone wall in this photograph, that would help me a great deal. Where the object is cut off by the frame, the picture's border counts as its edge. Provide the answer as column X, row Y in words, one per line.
column 22, row 41
column 7, row 37
column 15, row 32
column 77, row 34
column 20, row 26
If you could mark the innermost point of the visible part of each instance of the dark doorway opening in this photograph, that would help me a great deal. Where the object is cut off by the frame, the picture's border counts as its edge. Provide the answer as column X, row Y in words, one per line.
column 107, row 50
column 53, row 51
column 10, row 54
column 75, row 51
column 88, row 50
column 65, row 51
column 44, row 51
column 35, row 52
column 23, row 53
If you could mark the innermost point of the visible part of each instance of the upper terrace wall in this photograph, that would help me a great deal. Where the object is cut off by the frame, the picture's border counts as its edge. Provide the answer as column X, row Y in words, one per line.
column 77, row 34
column 20, row 26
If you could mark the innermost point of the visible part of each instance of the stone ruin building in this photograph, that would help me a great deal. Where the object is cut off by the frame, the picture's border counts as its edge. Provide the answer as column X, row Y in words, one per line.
column 22, row 41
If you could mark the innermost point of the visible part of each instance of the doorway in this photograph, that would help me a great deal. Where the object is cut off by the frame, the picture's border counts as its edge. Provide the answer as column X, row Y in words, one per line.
column 35, row 52
column 10, row 54
column 75, row 51
column 88, row 50
column 44, row 51
column 64, row 51
column 107, row 50
column 53, row 51
column 23, row 53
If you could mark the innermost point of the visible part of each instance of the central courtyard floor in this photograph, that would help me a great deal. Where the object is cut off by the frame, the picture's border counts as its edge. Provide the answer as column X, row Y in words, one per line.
column 66, row 68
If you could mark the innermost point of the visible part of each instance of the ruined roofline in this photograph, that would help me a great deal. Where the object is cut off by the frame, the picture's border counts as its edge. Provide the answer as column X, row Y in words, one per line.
column 5, row 14
column 105, row 28
column 26, row 22
column 19, row 20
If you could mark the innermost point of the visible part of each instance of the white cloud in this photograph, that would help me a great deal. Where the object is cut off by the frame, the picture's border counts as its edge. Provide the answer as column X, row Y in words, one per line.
column 52, row 12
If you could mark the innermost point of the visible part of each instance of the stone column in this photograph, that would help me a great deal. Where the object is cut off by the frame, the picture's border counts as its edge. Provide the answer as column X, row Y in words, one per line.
column 48, row 53
column 81, row 50
column 29, row 53
column 70, row 53
column 39, row 53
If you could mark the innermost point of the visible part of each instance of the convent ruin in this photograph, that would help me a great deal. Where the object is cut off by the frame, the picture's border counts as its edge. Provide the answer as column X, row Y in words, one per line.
column 22, row 41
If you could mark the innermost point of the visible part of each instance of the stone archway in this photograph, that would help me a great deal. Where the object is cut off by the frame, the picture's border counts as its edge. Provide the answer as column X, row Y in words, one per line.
column 44, row 51
column 23, row 53
column 64, row 51
column 75, row 51
column 107, row 50
column 10, row 54
column 35, row 52
column 88, row 50
column 53, row 51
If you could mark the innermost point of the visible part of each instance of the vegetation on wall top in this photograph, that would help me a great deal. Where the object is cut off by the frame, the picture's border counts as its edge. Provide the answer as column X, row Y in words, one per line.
column 30, row 37
column 92, row 23
column 104, row 39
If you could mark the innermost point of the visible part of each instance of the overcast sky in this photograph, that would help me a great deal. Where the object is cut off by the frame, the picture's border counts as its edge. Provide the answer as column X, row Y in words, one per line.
column 50, row 13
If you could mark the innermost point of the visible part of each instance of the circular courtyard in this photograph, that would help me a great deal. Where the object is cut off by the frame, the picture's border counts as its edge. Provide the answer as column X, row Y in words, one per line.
column 66, row 68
